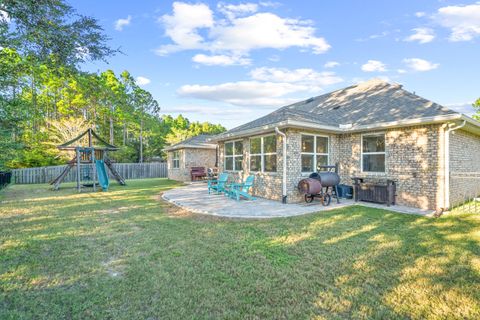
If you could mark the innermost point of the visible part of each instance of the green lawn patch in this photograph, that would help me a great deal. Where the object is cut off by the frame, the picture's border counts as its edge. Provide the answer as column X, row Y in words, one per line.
column 124, row 254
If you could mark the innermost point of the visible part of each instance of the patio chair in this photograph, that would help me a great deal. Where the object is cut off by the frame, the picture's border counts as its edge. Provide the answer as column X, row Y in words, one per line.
column 239, row 190
column 219, row 184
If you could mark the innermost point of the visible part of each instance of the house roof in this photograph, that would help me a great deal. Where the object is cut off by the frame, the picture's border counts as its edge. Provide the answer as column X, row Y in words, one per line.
column 87, row 139
column 201, row 141
column 366, row 104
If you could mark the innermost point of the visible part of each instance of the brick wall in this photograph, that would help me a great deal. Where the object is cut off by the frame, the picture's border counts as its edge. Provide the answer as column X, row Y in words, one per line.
column 464, row 166
column 267, row 184
column 190, row 157
column 412, row 159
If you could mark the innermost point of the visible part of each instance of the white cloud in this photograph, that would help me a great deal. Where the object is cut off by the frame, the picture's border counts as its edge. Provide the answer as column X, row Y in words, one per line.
column 266, row 30
column 233, row 10
column 182, row 26
column 242, row 93
column 374, row 66
column 267, row 87
column 4, row 17
column 274, row 58
column 374, row 36
column 244, row 30
column 331, row 64
column 420, row 14
column 422, row 35
column 464, row 107
column 463, row 21
column 141, row 81
column 306, row 77
column 401, row 71
column 206, row 110
column 220, row 60
column 417, row 64
column 121, row 23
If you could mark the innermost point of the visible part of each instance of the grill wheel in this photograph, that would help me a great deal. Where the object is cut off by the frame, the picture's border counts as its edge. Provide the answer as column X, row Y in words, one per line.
column 309, row 198
column 326, row 199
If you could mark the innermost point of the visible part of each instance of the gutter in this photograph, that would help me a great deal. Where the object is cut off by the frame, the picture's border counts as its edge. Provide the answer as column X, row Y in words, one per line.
column 405, row 123
column 446, row 196
column 190, row 146
column 284, row 180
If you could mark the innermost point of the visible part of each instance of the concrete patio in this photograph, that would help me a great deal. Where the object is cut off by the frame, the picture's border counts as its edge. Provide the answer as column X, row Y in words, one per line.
column 195, row 198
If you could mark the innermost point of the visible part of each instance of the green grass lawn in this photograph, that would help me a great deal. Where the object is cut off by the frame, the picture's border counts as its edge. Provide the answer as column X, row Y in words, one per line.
column 124, row 254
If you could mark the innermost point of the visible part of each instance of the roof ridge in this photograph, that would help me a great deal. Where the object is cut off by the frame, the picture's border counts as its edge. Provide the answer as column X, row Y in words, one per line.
column 365, row 103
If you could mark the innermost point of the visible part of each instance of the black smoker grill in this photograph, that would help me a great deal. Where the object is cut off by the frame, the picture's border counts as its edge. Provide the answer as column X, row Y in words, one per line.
column 321, row 185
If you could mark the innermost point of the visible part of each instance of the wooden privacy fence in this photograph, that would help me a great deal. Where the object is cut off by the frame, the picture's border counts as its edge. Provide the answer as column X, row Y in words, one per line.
column 126, row 170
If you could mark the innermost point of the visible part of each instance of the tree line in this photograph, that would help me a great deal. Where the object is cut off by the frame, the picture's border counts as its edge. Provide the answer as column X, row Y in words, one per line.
column 46, row 98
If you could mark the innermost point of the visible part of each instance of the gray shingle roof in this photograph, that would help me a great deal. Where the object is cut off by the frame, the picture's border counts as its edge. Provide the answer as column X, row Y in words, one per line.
column 366, row 103
column 202, row 140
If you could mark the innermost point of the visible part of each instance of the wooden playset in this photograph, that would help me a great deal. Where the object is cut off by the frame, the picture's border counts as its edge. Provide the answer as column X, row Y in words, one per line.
column 90, row 161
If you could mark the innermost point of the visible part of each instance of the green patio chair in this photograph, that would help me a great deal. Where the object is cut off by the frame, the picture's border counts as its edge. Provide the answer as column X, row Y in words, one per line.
column 239, row 190
column 218, row 185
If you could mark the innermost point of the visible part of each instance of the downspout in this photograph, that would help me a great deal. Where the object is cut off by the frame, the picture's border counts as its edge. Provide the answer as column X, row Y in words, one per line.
column 446, row 196
column 284, row 182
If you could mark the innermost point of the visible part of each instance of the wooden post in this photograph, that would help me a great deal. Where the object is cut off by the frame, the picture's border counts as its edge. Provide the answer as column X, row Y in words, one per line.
column 94, row 170
column 90, row 138
column 79, row 188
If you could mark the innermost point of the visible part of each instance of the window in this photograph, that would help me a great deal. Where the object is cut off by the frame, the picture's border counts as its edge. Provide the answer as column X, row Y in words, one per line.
column 263, row 154
column 314, row 152
column 176, row 159
column 234, row 156
column 373, row 153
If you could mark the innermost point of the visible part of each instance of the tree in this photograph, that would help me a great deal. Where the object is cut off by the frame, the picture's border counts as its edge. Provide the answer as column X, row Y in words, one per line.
column 181, row 129
column 142, row 102
column 45, row 97
column 476, row 106
column 51, row 31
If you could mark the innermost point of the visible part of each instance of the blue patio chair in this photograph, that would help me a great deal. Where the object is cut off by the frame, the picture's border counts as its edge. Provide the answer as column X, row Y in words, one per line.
column 219, row 184
column 239, row 190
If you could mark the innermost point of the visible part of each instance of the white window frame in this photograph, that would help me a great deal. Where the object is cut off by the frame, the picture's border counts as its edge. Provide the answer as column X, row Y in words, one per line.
column 232, row 156
column 176, row 158
column 262, row 154
column 377, row 134
column 314, row 153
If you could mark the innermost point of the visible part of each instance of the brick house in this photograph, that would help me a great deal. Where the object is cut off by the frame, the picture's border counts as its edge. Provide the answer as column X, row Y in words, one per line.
column 375, row 130
column 192, row 152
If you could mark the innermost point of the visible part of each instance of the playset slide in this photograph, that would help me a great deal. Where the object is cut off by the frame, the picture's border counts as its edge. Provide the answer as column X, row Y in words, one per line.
column 102, row 175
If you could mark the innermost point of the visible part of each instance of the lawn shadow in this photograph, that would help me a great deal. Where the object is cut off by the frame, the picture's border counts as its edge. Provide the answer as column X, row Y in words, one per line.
column 378, row 264
column 124, row 254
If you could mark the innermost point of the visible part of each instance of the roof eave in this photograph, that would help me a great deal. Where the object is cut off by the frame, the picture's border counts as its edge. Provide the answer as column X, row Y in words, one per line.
column 472, row 126
column 333, row 129
column 405, row 123
column 190, row 146
column 271, row 127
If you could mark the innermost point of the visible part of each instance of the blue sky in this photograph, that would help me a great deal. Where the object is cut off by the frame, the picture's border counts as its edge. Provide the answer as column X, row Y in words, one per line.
column 231, row 62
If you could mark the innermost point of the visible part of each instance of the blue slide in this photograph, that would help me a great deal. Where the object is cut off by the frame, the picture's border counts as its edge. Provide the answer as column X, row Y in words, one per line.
column 102, row 175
